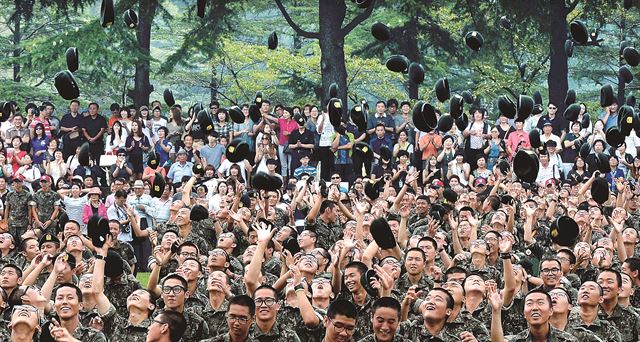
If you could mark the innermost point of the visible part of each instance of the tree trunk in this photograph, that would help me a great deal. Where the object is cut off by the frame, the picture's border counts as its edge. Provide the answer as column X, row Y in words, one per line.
column 621, row 62
column 410, row 42
column 17, row 37
column 332, row 64
column 213, row 85
column 558, row 71
column 143, row 87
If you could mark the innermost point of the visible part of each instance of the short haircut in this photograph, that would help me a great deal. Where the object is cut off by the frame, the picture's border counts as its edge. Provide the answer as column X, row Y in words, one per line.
column 551, row 259
column 386, row 302
column 429, row 239
column 176, row 323
column 266, row 287
column 618, row 276
column 326, row 204
column 539, row 290
column 362, row 268
column 23, row 244
column 244, row 300
column 454, row 270
column 342, row 307
column 15, row 267
column 120, row 194
column 634, row 265
column 601, row 290
column 566, row 293
column 415, row 249
column 450, row 300
column 180, row 278
column 188, row 244
column 73, row 286
column 74, row 222
column 196, row 260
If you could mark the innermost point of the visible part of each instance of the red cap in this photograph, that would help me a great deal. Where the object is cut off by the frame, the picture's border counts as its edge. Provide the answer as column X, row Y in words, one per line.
column 18, row 178
column 437, row 182
column 550, row 181
column 480, row 180
column 45, row 178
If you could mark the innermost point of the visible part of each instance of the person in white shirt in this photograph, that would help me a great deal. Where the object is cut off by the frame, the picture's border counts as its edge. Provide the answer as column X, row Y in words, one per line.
column 547, row 135
column 546, row 170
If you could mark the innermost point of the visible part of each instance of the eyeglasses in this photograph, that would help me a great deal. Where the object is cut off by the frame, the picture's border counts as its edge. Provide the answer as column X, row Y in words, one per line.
column 265, row 301
column 121, row 154
column 176, row 290
column 218, row 252
column 240, row 319
column 553, row 108
column 158, row 321
column 550, row 270
column 24, row 308
column 340, row 328
column 189, row 255
column 335, row 177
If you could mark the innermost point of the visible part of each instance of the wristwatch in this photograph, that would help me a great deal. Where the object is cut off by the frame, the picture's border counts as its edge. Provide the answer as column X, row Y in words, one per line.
column 298, row 287
column 100, row 257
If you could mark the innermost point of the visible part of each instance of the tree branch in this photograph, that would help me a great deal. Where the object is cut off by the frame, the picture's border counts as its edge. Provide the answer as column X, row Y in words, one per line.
column 294, row 26
column 572, row 5
column 35, row 30
column 358, row 20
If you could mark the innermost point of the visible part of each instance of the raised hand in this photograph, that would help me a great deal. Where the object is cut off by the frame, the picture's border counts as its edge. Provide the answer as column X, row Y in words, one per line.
column 412, row 295
column 495, row 298
column 264, row 232
column 505, row 245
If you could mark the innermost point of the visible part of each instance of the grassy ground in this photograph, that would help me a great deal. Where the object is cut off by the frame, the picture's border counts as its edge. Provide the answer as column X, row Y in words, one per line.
column 142, row 278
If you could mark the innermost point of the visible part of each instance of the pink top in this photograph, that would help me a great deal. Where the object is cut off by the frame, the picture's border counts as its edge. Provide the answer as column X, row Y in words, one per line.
column 87, row 212
column 286, row 125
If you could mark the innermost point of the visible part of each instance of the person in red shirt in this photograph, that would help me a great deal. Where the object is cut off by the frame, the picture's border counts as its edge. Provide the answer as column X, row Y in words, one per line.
column 518, row 139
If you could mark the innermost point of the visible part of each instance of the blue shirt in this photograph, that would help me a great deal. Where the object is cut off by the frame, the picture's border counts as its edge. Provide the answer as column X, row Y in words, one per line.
column 177, row 171
column 212, row 155
column 612, row 176
column 162, row 155
column 376, row 143
column 611, row 122
column 305, row 169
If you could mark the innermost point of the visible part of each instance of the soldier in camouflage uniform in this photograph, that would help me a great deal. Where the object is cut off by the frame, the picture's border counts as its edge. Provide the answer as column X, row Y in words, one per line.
column 414, row 264
column 46, row 206
column 589, row 297
column 537, row 311
column 625, row 320
column 385, row 321
column 239, row 319
column 323, row 220
column 66, row 296
column 17, row 209
column 25, row 321
column 267, row 309
column 436, row 309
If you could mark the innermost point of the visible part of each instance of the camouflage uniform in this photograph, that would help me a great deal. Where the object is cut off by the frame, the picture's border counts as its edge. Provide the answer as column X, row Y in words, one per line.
column 372, row 338
column 291, row 317
column 627, row 322
column 513, row 320
column 482, row 313
column 117, row 290
column 125, row 250
column 272, row 266
column 118, row 328
column 403, row 283
column 466, row 322
column 363, row 322
column 196, row 326
column 601, row 328
column 278, row 333
column 46, row 203
column 18, row 212
column 635, row 298
column 554, row 335
column 9, row 259
column 216, row 319
column 220, row 338
column 282, row 218
column 415, row 330
column 327, row 233
column 205, row 230
column 87, row 315
column 488, row 273
column 582, row 334
column 86, row 334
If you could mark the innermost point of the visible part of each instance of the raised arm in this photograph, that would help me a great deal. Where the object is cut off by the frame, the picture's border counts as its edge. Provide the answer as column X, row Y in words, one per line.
column 265, row 233
column 103, row 303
